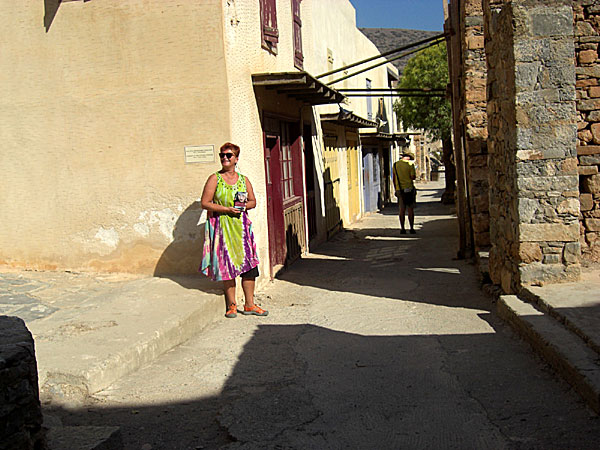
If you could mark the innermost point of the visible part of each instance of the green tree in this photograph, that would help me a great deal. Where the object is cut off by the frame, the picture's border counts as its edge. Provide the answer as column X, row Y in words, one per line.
column 429, row 70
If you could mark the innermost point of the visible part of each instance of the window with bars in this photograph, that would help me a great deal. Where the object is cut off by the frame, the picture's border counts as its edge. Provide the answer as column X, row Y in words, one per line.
column 268, row 19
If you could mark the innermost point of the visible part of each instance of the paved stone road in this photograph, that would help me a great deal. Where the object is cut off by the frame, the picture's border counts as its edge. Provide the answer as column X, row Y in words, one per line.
column 377, row 340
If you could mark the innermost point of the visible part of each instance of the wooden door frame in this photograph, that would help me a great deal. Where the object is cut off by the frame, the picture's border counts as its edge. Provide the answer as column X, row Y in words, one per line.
column 277, row 224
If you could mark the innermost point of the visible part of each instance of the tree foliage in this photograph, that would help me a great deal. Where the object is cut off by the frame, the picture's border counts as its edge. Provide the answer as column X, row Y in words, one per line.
column 428, row 69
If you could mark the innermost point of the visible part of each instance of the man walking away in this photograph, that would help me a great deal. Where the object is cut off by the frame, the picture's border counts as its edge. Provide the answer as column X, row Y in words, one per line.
column 404, row 174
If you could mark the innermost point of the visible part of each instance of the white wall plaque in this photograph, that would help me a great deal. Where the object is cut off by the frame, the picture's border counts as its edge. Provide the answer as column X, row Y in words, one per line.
column 199, row 154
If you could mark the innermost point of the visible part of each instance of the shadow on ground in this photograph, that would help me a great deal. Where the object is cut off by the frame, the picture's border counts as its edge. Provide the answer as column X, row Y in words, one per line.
column 304, row 386
column 308, row 386
column 370, row 260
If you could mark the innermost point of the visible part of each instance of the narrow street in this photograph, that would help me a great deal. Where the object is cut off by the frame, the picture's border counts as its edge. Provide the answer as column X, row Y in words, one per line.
column 376, row 340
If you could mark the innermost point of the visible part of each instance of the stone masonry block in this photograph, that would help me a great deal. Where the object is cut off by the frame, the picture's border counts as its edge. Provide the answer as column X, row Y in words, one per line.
column 536, row 272
column 478, row 173
column 528, row 208
column 589, row 160
column 20, row 410
column 478, row 95
column 588, row 71
column 586, row 202
column 595, row 132
column 558, row 75
column 474, row 42
column 572, row 253
column 586, row 83
column 594, row 214
column 587, row 56
column 592, row 237
column 588, row 150
column 477, row 161
column 568, row 166
column 480, row 202
column 548, row 21
column 477, row 132
column 481, row 223
column 529, row 252
column 547, row 184
column 585, row 136
column 588, row 105
column 569, row 206
column 584, row 29
column 587, row 46
column 588, row 170
column 540, row 232
column 594, row 91
column 592, row 224
column 526, row 76
column 588, row 39
column 591, row 184
column 552, row 259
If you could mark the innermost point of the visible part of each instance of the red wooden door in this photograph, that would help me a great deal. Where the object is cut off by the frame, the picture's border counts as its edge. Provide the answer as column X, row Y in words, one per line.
column 277, row 247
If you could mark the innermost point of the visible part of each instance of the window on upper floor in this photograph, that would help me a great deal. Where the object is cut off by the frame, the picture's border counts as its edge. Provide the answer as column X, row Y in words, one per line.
column 298, row 57
column 369, row 102
column 268, row 19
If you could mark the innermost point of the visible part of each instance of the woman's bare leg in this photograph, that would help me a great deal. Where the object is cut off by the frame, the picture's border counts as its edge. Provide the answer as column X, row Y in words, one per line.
column 229, row 287
column 248, row 288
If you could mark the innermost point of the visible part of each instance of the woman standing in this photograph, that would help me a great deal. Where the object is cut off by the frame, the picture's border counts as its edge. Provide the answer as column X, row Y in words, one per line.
column 229, row 247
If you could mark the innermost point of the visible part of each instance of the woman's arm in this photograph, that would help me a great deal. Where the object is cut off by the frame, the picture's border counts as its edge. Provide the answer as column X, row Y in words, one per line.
column 251, row 203
column 208, row 195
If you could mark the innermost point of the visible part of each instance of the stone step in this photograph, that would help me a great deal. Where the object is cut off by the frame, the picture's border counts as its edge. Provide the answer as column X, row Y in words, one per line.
column 84, row 349
column 578, row 310
column 564, row 350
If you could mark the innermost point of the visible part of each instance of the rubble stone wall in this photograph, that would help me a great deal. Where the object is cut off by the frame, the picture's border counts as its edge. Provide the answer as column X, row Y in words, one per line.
column 587, row 37
column 20, row 410
column 474, row 118
column 534, row 192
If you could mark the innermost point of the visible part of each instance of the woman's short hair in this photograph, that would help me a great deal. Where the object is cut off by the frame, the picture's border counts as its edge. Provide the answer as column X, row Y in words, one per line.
column 229, row 146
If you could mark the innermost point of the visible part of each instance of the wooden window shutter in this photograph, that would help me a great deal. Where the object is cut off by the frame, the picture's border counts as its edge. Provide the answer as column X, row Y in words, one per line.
column 268, row 15
column 298, row 56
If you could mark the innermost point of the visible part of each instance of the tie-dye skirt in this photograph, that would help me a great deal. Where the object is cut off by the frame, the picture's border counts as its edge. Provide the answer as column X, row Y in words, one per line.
column 229, row 247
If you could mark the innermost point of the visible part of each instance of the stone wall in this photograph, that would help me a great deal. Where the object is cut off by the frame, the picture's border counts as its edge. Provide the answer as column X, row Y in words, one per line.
column 20, row 410
column 534, row 195
column 587, row 38
column 474, row 118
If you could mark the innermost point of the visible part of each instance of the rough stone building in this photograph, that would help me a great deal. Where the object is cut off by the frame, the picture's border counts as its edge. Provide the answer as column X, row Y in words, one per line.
column 587, row 38
column 524, row 76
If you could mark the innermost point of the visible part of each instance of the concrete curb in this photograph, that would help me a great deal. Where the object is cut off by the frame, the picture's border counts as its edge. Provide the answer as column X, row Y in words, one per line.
column 84, row 350
column 566, row 352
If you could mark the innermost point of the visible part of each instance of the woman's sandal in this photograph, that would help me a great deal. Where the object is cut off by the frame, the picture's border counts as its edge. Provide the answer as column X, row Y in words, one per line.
column 231, row 311
column 254, row 311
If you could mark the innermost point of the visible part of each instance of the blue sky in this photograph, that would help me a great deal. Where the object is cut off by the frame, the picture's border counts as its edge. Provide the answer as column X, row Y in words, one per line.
column 412, row 14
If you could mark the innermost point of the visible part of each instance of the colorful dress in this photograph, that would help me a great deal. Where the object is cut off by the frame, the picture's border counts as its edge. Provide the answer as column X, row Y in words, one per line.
column 229, row 246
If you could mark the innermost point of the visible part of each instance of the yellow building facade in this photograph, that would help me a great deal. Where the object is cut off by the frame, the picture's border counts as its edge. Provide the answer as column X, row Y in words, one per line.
column 112, row 113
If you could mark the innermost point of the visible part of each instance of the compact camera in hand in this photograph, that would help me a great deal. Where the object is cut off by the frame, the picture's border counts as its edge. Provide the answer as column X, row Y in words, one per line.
column 240, row 200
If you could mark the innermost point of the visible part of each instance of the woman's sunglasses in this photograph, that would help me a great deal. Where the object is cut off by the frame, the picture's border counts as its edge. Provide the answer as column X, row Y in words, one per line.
column 226, row 155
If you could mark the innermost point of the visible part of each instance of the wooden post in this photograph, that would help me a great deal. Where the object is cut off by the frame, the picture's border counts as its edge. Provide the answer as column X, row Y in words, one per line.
column 453, row 43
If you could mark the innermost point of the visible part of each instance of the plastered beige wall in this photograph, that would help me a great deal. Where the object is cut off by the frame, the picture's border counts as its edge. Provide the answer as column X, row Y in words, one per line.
column 96, row 111
column 94, row 117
